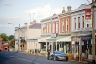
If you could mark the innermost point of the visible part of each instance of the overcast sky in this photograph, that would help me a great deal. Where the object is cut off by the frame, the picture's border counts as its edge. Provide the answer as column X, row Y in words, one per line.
column 19, row 11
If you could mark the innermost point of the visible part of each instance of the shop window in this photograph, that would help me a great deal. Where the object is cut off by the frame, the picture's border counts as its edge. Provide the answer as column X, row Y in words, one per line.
column 89, row 46
column 77, row 47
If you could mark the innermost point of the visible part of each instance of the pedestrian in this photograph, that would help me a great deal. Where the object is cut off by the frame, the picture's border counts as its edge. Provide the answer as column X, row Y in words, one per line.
column 48, row 54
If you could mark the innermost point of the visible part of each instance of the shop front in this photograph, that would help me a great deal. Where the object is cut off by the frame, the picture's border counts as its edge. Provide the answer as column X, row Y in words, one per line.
column 43, row 45
column 82, row 45
column 65, row 43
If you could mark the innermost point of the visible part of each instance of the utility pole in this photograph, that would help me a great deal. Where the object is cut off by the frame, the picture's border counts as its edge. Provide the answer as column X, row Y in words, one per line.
column 93, row 31
column 19, row 38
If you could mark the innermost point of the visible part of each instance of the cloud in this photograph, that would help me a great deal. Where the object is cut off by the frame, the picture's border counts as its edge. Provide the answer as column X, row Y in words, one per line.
column 37, row 13
column 42, row 12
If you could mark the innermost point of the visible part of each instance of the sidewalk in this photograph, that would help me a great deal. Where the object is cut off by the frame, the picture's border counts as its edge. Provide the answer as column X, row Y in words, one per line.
column 77, row 62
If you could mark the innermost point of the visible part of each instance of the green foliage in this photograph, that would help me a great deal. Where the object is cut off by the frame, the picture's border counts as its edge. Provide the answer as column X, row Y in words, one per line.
column 12, row 43
column 11, row 37
column 4, row 37
column 7, row 38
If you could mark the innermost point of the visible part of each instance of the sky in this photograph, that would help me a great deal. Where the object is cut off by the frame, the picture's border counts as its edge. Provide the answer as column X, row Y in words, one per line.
column 15, row 12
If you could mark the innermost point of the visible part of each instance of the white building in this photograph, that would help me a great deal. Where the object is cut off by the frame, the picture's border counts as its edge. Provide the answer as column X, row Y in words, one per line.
column 29, row 35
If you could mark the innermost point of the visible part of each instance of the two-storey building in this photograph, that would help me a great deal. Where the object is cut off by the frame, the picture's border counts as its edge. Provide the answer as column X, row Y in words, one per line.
column 50, row 29
column 27, row 37
column 81, row 30
column 64, row 35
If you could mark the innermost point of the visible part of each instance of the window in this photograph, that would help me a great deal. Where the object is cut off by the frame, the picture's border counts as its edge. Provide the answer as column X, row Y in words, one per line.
column 63, row 26
column 75, row 22
column 83, row 20
column 57, row 27
column 54, row 27
column 78, row 22
column 49, row 27
column 44, row 28
column 87, row 25
column 60, row 26
column 67, row 28
column 75, row 25
column 67, row 25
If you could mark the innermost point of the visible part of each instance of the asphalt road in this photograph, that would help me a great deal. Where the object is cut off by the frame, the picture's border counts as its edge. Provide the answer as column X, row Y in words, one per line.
column 21, row 58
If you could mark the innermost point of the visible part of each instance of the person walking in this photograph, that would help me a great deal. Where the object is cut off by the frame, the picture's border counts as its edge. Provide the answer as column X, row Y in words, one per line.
column 48, row 54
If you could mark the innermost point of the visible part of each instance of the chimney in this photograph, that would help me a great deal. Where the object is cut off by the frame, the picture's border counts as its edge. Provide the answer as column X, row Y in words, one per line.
column 63, row 11
column 68, row 8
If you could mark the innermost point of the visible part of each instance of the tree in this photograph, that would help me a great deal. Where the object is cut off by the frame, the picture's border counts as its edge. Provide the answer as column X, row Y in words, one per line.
column 11, row 37
column 4, row 37
column 12, row 43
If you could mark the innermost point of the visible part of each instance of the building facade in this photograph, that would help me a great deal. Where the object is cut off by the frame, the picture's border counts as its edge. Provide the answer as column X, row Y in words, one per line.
column 81, row 31
column 64, row 35
column 56, row 31
column 27, row 37
column 50, row 29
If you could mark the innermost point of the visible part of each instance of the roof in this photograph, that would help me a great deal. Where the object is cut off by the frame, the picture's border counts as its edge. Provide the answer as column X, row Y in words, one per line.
column 35, row 26
column 82, row 7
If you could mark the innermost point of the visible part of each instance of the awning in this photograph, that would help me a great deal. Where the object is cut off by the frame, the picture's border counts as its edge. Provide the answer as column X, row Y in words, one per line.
column 51, row 39
column 57, row 39
column 43, row 39
column 64, row 39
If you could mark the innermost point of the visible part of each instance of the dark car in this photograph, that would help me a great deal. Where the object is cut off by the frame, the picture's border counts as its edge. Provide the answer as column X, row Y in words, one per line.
column 58, row 55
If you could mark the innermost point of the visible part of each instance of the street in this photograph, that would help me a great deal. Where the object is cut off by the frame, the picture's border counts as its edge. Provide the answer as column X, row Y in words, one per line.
column 21, row 58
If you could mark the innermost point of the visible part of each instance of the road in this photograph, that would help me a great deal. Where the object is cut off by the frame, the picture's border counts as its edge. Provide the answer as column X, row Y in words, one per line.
column 21, row 58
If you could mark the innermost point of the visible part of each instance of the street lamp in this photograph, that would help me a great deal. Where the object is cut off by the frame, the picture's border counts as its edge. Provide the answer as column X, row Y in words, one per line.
column 18, row 28
column 19, row 38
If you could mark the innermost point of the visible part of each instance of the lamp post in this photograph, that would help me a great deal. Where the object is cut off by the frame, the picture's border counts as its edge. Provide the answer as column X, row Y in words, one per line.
column 19, row 38
column 18, row 29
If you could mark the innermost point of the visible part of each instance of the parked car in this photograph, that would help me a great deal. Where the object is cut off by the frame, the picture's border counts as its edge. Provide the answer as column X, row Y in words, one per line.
column 58, row 55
